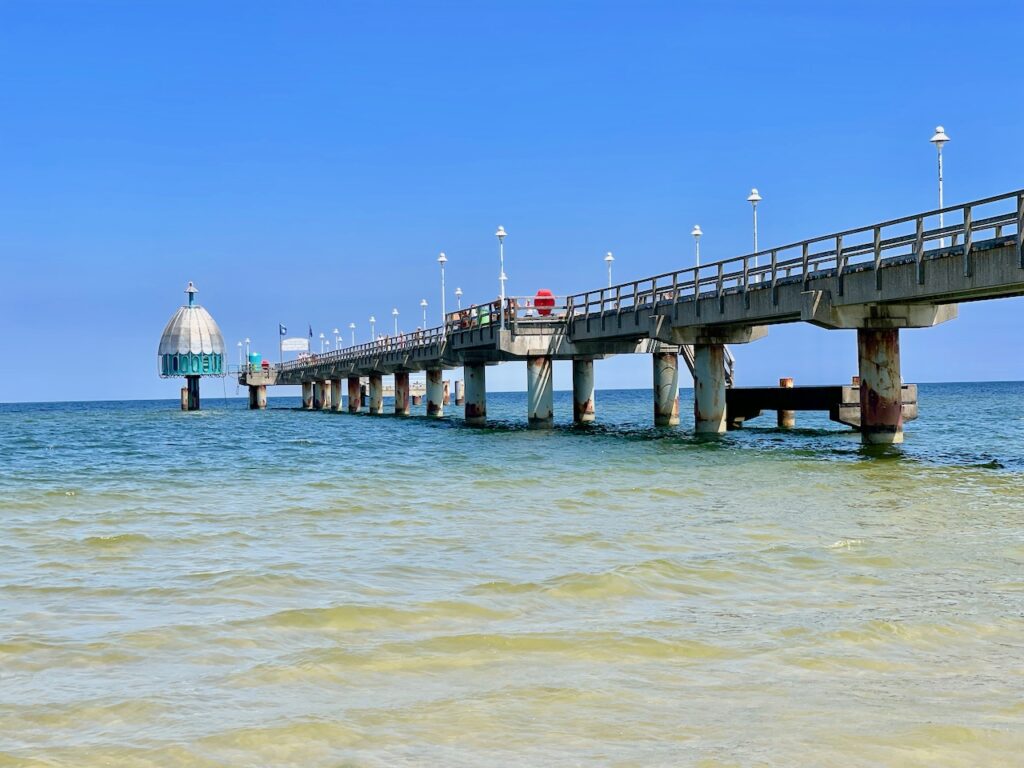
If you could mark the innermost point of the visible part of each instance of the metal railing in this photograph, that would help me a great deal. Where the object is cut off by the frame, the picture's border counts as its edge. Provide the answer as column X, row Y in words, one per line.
column 870, row 247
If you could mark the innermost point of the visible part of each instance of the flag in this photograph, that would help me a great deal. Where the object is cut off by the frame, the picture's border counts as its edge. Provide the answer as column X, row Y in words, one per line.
column 281, row 329
column 311, row 331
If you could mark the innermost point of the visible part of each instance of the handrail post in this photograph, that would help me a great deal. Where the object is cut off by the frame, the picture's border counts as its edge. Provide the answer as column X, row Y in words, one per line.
column 840, row 264
column 919, row 249
column 775, row 275
column 1020, row 230
column 805, row 255
column 746, row 276
column 967, row 240
column 721, row 287
column 878, row 257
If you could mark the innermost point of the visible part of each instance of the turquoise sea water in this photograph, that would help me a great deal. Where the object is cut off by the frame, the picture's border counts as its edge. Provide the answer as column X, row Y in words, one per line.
column 235, row 588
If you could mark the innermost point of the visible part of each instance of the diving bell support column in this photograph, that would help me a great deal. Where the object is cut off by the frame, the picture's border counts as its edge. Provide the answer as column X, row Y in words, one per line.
column 476, row 394
column 666, row 389
column 582, row 391
column 539, row 393
column 435, row 393
column 257, row 397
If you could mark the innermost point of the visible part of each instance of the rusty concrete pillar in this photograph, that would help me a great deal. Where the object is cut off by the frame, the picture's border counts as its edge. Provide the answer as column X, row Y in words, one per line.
column 881, row 388
column 318, row 395
column 447, row 393
column 582, row 391
column 666, row 389
column 435, row 393
column 184, row 398
column 786, row 419
column 460, row 392
column 709, row 388
column 376, row 394
column 257, row 397
column 325, row 395
column 192, row 392
column 402, row 393
column 475, row 377
column 336, row 404
column 354, row 394
column 307, row 395
column 417, row 399
column 540, row 401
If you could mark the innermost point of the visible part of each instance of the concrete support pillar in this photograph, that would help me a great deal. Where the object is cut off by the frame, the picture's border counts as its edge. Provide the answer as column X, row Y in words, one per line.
column 435, row 393
column 582, row 391
column 402, row 394
column 376, row 394
column 666, row 389
column 709, row 388
column 539, row 393
column 307, row 395
column 786, row 419
column 354, row 394
column 881, row 395
column 336, row 403
column 447, row 395
column 318, row 395
column 476, row 394
column 460, row 392
column 325, row 395
column 417, row 400
column 257, row 397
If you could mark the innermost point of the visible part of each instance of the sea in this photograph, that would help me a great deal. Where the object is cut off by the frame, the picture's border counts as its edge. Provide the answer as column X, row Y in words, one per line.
column 290, row 588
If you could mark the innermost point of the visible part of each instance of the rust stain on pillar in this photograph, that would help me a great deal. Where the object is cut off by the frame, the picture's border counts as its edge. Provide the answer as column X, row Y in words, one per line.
column 435, row 393
column 402, row 393
column 354, row 394
column 786, row 419
column 666, row 389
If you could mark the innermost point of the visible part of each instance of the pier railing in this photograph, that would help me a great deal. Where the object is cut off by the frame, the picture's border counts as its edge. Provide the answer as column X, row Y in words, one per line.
column 870, row 247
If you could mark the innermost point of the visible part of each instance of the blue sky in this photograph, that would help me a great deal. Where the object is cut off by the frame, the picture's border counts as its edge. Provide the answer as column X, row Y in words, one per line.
column 306, row 162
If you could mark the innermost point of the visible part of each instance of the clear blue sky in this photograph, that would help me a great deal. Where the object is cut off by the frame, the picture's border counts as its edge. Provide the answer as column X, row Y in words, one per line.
column 306, row 162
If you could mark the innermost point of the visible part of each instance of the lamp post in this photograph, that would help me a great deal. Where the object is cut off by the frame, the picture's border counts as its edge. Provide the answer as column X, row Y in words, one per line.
column 322, row 337
column 458, row 296
column 696, row 243
column 939, row 139
column 246, row 347
column 500, row 234
column 239, row 355
column 373, row 333
column 442, row 260
column 394, row 314
column 352, row 328
column 754, row 198
column 608, row 259
column 336, row 337
column 423, row 306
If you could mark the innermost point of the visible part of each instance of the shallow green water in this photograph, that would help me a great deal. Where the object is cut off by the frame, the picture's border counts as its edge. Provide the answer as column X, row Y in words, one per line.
column 291, row 588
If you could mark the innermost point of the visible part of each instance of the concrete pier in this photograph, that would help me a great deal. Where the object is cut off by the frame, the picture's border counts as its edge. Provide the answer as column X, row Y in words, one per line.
column 354, row 394
column 325, row 395
column 709, row 403
column 190, row 394
column 447, row 400
column 460, row 392
column 582, row 391
column 435, row 393
column 376, row 394
column 540, row 393
column 476, row 394
column 307, row 395
column 666, row 389
column 336, row 404
column 402, row 393
column 881, row 405
column 786, row 419
column 257, row 397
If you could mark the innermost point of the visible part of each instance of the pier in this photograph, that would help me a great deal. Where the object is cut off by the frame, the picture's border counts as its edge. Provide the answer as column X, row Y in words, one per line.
column 909, row 272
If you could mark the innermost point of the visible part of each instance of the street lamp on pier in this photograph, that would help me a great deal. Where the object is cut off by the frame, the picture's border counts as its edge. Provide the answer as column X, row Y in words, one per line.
column 423, row 306
column 608, row 259
column 373, row 332
column 939, row 139
column 239, row 355
column 394, row 314
column 442, row 260
column 754, row 198
column 322, row 337
column 352, row 328
column 696, row 243
column 246, row 347
column 336, row 338
column 458, row 296
column 500, row 234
